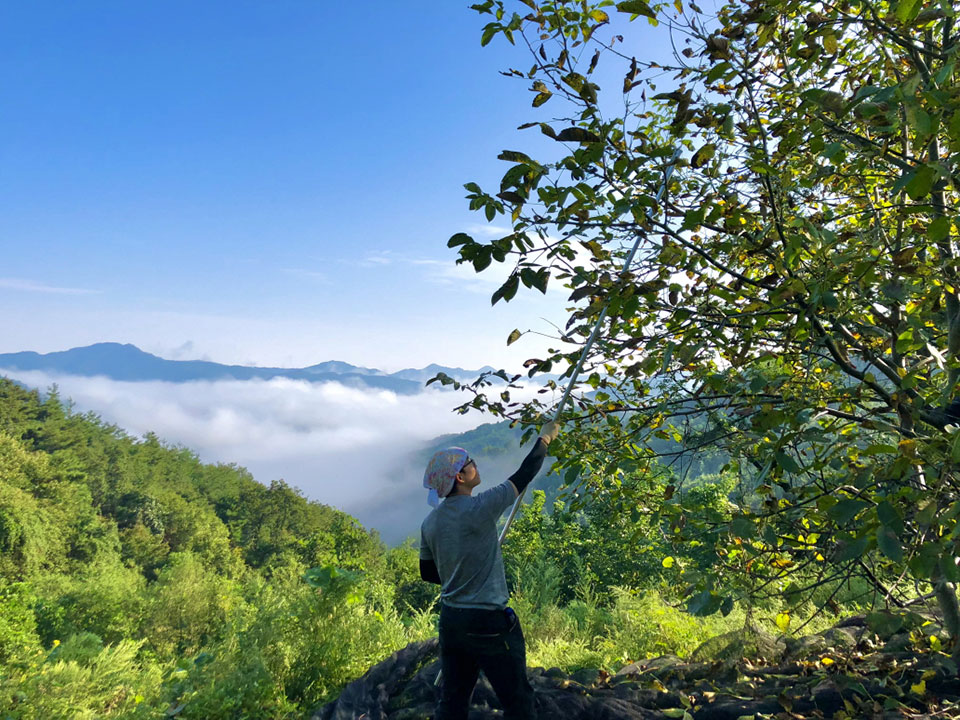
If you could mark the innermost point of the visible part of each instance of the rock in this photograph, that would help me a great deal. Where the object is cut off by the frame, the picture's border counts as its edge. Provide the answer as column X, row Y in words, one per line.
column 370, row 695
column 805, row 646
column 853, row 621
column 845, row 638
column 586, row 676
column 402, row 686
column 899, row 642
column 655, row 663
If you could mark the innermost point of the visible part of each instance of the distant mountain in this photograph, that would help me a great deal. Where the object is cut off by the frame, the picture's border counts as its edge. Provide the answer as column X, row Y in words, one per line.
column 129, row 363
column 336, row 366
column 424, row 374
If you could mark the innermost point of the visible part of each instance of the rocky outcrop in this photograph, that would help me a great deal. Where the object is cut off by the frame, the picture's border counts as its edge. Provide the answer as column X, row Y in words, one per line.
column 847, row 669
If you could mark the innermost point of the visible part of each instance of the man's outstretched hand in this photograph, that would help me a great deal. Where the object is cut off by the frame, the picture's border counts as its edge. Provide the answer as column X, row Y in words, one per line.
column 550, row 431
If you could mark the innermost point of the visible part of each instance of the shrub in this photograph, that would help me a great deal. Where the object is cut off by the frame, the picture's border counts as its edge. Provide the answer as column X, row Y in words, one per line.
column 82, row 680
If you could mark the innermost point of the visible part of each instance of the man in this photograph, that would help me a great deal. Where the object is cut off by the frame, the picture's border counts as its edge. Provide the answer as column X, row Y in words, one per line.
column 459, row 550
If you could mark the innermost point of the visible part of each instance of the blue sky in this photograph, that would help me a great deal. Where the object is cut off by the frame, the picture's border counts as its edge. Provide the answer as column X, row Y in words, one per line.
column 257, row 182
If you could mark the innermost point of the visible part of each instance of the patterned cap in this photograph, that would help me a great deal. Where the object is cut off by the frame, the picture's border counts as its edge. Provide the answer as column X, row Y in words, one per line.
column 439, row 476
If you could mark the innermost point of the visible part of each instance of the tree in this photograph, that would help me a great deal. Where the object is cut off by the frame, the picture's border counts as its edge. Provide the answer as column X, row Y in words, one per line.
column 794, row 299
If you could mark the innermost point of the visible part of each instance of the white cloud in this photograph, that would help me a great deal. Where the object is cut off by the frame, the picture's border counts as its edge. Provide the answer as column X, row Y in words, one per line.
column 185, row 351
column 448, row 272
column 379, row 259
column 488, row 230
column 350, row 448
column 31, row 286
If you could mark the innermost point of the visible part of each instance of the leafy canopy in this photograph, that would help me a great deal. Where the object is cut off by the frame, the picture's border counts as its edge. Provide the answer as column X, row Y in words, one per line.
column 793, row 302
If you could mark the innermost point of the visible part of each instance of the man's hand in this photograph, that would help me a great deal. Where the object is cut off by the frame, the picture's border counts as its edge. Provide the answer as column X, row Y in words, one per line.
column 549, row 432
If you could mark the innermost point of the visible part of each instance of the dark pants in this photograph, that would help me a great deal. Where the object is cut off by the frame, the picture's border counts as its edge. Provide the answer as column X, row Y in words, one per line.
column 489, row 640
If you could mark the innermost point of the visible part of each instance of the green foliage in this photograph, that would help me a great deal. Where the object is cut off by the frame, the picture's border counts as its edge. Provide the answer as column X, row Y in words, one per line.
column 187, row 607
column 82, row 680
column 793, row 302
column 18, row 625
column 608, row 542
column 156, row 582
column 105, row 599
column 413, row 595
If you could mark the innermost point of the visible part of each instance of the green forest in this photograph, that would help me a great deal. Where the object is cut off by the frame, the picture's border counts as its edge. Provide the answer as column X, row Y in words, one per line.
column 758, row 243
column 137, row 581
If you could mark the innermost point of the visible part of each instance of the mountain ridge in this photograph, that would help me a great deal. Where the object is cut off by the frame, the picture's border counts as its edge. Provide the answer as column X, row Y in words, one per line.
column 127, row 362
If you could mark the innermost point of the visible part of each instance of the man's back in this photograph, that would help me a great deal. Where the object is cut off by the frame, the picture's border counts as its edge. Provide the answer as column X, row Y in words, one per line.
column 460, row 536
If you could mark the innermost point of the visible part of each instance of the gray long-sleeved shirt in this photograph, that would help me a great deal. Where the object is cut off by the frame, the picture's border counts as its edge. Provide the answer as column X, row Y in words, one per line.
column 460, row 536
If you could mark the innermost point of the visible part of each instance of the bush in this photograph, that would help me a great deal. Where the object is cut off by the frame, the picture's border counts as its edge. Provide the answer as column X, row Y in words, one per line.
column 107, row 599
column 18, row 624
column 82, row 680
column 188, row 607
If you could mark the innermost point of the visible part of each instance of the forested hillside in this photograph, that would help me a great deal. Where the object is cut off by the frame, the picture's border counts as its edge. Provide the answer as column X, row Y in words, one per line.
column 135, row 578
column 139, row 582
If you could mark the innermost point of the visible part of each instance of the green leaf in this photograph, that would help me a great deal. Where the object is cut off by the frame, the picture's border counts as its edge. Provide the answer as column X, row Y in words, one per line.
column 905, row 9
column 742, row 528
column 483, row 259
column 705, row 603
column 726, row 607
column 787, row 463
column 636, row 7
column 924, row 563
column 702, row 156
column 515, row 156
column 540, row 280
column 879, row 449
column 830, row 43
column 577, row 134
column 574, row 80
column 889, row 544
column 926, row 513
column 939, row 229
column 921, row 182
column 845, row 510
column 488, row 32
column 512, row 197
column 889, row 517
column 852, row 549
column 459, row 239
column 507, row 290
column 513, row 337
column 919, row 119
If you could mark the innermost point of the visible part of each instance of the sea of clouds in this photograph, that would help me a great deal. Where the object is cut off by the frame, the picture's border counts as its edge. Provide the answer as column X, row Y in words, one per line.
column 359, row 450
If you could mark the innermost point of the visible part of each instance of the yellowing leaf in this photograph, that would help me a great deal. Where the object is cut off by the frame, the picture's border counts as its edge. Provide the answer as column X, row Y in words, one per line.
column 920, row 688
column 668, row 562
column 783, row 621
column 541, row 98
column 827, row 661
column 908, row 447
column 636, row 7
column 830, row 43
column 702, row 156
column 600, row 16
